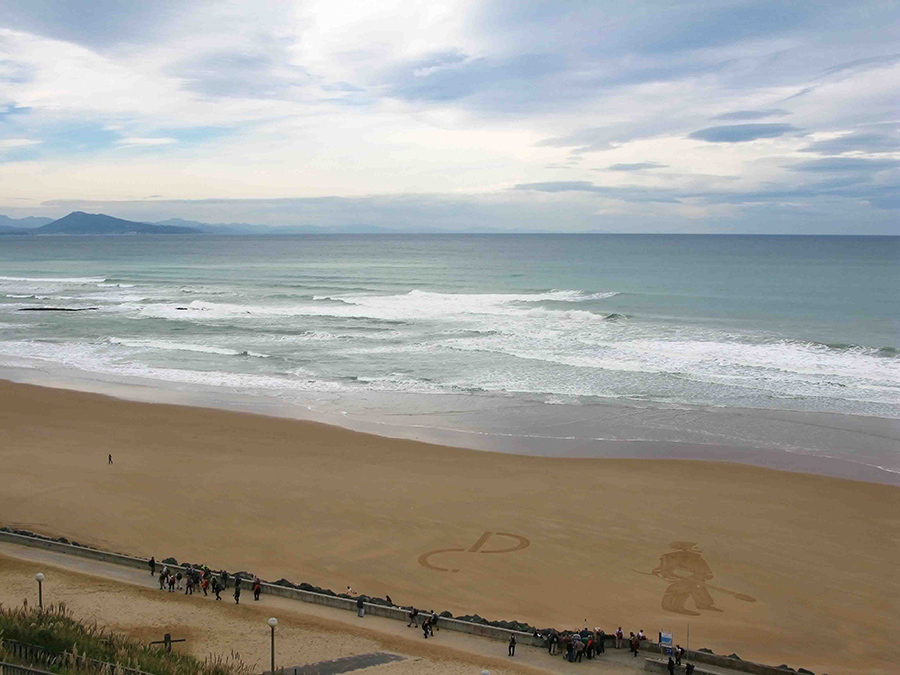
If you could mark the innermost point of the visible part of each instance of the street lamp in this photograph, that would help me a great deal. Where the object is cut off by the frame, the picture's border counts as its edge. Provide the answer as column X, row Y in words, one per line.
column 39, row 577
column 272, row 623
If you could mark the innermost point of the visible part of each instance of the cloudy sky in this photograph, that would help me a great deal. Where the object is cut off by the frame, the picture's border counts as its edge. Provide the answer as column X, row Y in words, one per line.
column 708, row 116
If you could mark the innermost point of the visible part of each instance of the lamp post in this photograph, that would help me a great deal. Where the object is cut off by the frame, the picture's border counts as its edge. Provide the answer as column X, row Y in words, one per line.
column 39, row 577
column 272, row 623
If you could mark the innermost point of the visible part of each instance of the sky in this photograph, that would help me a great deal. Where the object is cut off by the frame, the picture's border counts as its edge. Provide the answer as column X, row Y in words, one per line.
column 607, row 116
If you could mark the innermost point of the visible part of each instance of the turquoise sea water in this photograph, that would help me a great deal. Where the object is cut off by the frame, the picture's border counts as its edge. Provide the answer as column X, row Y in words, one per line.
column 800, row 323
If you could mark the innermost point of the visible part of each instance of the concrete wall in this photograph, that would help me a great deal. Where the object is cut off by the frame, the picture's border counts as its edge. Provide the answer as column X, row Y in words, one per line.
column 283, row 591
column 656, row 666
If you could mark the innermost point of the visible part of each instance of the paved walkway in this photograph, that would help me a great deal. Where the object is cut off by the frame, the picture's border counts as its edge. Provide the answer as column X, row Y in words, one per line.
column 344, row 665
column 613, row 662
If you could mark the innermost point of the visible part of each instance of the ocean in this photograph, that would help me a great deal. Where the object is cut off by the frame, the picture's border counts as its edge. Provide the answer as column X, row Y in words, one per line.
column 411, row 327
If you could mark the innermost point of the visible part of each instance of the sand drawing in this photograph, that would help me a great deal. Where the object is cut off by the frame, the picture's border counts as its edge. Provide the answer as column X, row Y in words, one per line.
column 688, row 575
column 519, row 542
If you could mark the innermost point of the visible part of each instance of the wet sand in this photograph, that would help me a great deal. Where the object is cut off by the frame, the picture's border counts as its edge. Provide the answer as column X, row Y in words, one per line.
column 803, row 565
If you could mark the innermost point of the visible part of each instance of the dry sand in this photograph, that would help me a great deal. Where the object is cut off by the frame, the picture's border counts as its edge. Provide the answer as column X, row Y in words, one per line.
column 813, row 558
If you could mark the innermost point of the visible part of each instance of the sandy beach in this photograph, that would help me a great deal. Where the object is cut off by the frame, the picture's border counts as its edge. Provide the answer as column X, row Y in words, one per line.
column 802, row 565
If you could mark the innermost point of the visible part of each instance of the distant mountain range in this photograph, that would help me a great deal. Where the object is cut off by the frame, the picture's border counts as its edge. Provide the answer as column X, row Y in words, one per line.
column 247, row 228
column 79, row 222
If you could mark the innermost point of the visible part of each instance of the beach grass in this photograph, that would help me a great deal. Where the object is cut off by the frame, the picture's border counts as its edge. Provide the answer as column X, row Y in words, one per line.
column 71, row 644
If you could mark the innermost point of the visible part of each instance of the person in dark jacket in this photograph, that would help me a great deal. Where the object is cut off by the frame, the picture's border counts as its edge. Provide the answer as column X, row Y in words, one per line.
column 553, row 643
column 360, row 607
column 512, row 645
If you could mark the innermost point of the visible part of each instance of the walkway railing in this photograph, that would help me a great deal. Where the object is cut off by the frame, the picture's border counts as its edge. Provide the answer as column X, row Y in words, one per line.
column 16, row 669
column 35, row 655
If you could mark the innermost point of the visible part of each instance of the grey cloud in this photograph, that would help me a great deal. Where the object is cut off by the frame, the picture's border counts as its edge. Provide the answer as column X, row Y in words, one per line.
column 636, row 166
column 865, row 64
column 98, row 24
column 499, row 83
column 595, row 139
column 625, row 193
column 239, row 73
column 560, row 186
column 857, row 142
column 841, row 164
column 751, row 114
column 740, row 133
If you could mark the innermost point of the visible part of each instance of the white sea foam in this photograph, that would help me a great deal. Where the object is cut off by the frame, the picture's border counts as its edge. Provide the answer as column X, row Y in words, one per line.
column 414, row 305
column 56, row 280
column 167, row 345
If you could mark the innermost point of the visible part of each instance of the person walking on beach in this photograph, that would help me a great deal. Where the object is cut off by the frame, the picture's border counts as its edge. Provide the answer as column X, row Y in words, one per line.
column 635, row 645
column 216, row 588
column 601, row 642
column 257, row 588
column 679, row 654
column 553, row 643
column 204, row 584
column 152, row 566
column 671, row 666
column 512, row 645
column 171, row 583
column 433, row 619
column 426, row 627
column 224, row 577
column 237, row 590
column 360, row 607
column 619, row 635
column 162, row 580
column 413, row 617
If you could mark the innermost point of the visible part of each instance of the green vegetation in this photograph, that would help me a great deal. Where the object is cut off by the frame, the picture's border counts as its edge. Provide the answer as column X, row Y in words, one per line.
column 69, row 646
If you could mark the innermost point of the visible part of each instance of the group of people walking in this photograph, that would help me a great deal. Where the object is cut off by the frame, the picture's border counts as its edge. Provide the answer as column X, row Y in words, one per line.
column 584, row 644
column 588, row 644
column 429, row 623
column 200, row 579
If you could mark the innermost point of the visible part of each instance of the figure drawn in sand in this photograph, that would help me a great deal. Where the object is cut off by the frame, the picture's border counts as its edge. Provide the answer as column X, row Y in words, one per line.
column 688, row 575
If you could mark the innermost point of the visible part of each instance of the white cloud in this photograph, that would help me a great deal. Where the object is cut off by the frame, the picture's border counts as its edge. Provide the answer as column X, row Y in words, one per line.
column 12, row 143
column 339, row 98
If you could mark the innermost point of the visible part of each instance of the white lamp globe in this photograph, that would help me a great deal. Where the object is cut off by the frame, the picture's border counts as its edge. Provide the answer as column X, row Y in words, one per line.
column 272, row 622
